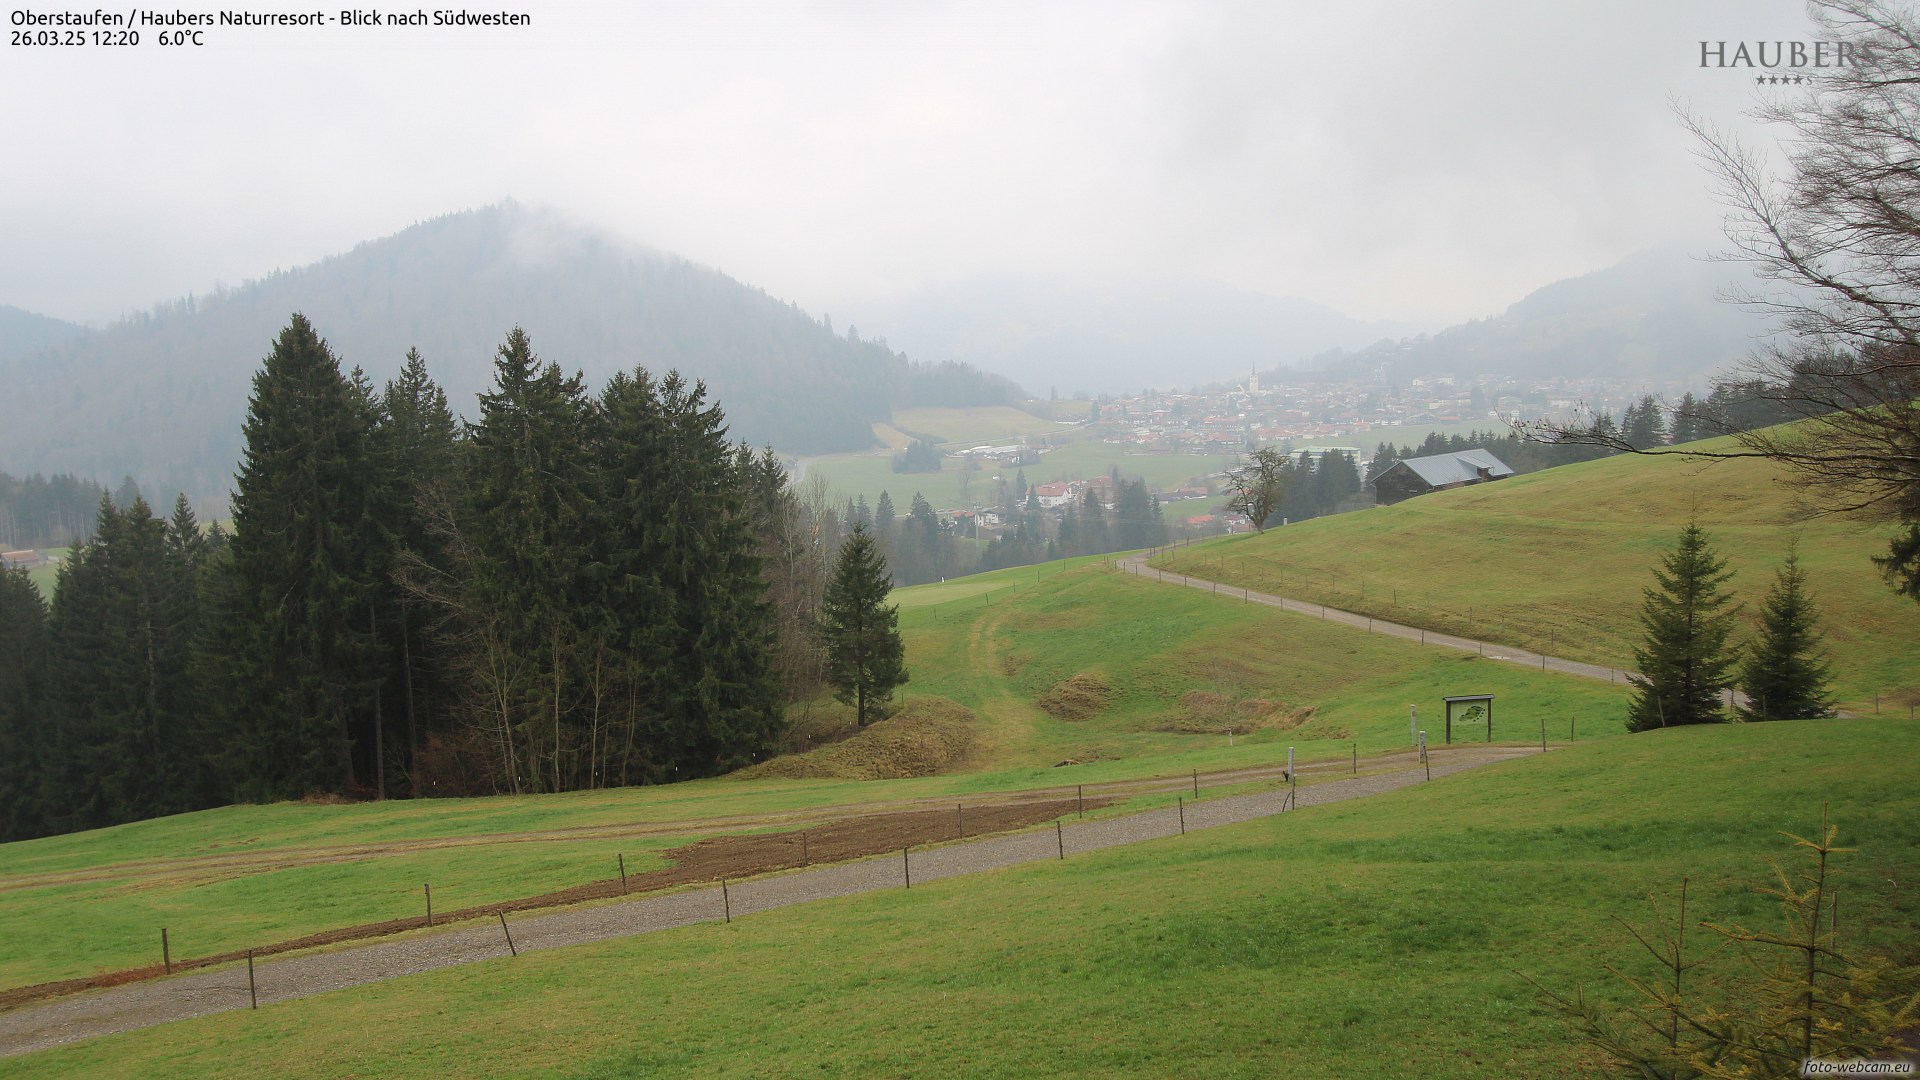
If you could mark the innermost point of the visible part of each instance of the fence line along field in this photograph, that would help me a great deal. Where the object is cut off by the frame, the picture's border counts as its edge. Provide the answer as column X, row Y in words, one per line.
column 1072, row 663
column 1383, row 933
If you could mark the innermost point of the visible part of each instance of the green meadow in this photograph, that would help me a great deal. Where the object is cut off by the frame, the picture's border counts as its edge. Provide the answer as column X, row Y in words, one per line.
column 1172, row 669
column 244, row 876
column 1381, row 937
column 1555, row 561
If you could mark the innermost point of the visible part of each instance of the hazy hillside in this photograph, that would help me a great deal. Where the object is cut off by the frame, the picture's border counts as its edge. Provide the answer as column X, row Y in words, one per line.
column 162, row 395
column 24, row 331
column 1051, row 335
column 1654, row 316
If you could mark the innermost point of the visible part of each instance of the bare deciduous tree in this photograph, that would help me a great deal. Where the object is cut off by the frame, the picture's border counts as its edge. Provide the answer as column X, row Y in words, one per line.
column 1831, row 226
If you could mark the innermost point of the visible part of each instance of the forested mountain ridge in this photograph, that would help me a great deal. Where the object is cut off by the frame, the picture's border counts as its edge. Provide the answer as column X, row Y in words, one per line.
column 160, row 395
column 24, row 331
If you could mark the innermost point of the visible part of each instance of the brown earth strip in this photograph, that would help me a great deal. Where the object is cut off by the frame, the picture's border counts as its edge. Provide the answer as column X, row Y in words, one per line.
column 713, row 859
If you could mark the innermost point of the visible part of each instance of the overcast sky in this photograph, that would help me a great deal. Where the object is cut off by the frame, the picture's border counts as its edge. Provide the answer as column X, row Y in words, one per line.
column 1413, row 160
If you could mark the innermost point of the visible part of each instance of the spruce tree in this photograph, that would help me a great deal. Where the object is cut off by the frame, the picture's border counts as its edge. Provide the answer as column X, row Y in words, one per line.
column 866, row 660
column 119, row 704
column 1685, row 663
column 23, row 641
column 420, row 442
column 1689, row 421
column 528, row 523
column 1785, row 677
column 726, row 682
column 291, row 660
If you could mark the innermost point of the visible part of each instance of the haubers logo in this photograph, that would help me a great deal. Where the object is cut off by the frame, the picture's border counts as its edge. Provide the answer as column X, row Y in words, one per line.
column 1782, row 56
column 1782, row 61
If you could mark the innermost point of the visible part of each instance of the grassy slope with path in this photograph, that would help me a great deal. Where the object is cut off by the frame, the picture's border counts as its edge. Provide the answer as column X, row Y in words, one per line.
column 1555, row 561
column 243, row 876
column 1372, row 938
column 1152, row 645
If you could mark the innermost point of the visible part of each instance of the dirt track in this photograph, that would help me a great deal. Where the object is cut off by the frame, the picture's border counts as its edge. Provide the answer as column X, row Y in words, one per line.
column 155, row 1001
column 808, row 838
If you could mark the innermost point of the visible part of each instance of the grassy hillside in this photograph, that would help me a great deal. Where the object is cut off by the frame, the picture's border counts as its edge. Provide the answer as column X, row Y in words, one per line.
column 1557, row 561
column 1370, row 938
column 1173, row 669
column 1089, row 664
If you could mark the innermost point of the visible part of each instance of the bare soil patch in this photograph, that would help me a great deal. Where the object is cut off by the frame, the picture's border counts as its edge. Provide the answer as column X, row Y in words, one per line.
column 1077, row 698
column 926, row 737
column 713, row 859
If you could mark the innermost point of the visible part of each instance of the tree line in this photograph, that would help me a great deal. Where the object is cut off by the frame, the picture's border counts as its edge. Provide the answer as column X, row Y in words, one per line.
column 921, row 546
column 47, row 511
column 1732, row 407
column 570, row 591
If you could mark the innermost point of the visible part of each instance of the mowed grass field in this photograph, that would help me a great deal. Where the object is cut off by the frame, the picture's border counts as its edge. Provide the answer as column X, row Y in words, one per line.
column 1373, row 938
column 1172, row 667
column 1556, row 561
column 246, row 876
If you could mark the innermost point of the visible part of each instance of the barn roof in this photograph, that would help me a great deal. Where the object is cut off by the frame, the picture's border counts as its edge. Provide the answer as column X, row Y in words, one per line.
column 1455, row 468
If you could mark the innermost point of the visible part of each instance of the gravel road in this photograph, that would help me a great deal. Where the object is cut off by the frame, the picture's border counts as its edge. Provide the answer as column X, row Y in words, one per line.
column 158, row 1001
column 1138, row 565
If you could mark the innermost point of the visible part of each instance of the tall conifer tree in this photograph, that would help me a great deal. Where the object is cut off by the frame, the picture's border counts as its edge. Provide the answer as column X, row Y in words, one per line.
column 1785, row 677
column 529, row 483
column 1685, row 664
column 23, row 640
column 420, row 442
column 865, row 658
column 296, row 667
column 123, row 747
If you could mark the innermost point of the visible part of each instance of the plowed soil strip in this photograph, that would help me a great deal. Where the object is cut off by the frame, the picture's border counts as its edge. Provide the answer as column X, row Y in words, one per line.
column 713, row 859
column 142, row 1004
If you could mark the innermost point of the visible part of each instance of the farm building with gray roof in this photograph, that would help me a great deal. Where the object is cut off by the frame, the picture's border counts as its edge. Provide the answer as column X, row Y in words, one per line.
column 1417, row 476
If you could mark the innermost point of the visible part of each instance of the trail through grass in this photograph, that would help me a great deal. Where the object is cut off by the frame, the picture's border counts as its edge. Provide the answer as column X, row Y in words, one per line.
column 1371, row 938
column 1555, row 562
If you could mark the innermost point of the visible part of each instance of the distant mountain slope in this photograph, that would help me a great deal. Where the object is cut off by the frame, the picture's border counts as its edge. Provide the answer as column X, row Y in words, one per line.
column 1172, row 332
column 23, row 331
column 162, row 395
column 1654, row 316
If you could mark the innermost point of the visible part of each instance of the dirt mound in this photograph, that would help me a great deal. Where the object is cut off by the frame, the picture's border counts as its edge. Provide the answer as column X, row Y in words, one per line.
column 928, row 736
column 1077, row 698
column 1204, row 712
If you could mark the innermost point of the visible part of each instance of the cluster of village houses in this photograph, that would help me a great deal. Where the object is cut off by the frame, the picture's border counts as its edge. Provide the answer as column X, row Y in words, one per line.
column 1348, row 417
